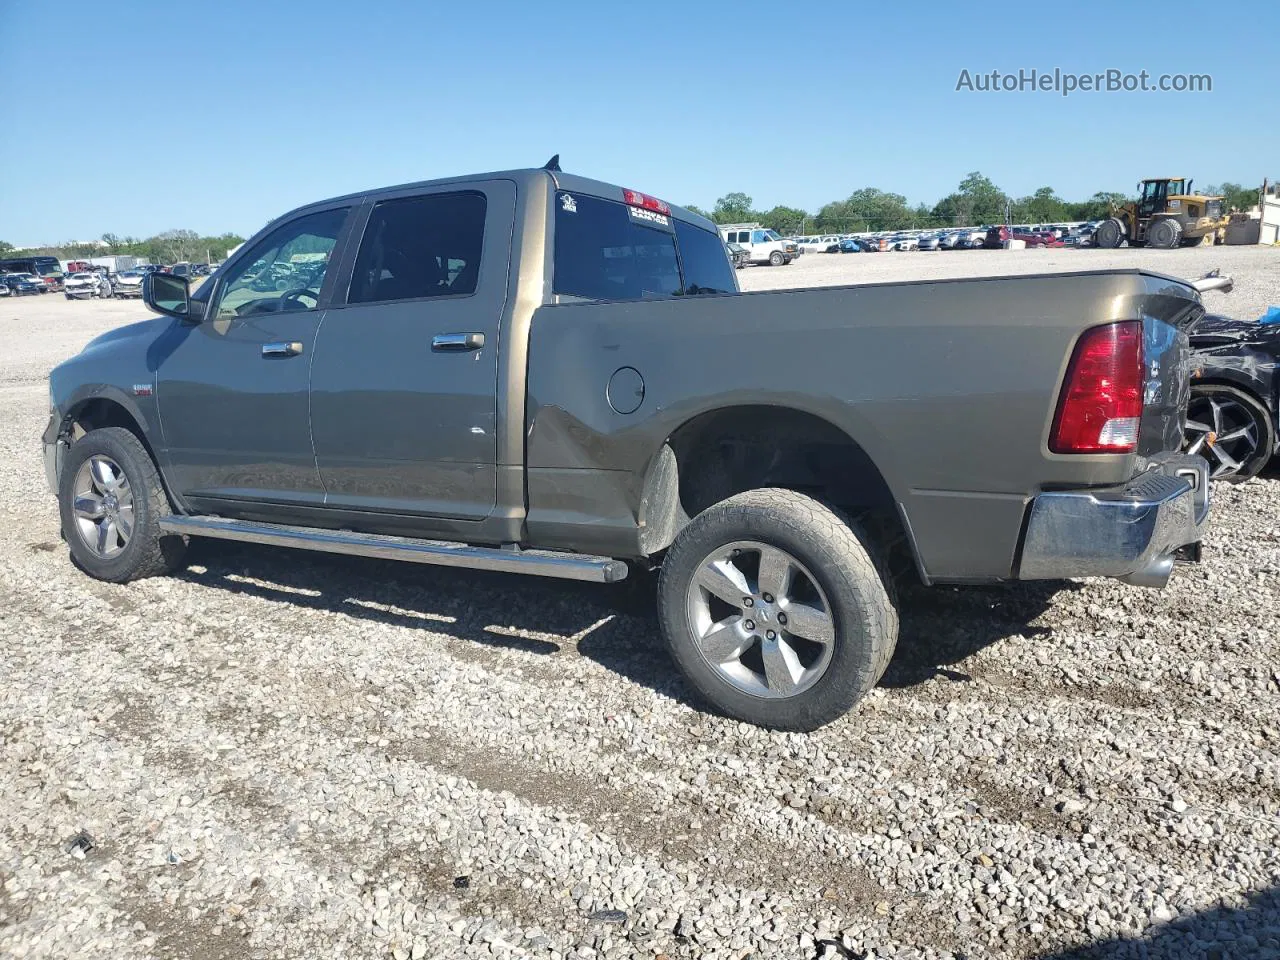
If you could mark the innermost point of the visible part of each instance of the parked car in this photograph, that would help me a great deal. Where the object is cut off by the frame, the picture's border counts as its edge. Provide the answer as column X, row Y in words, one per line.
column 129, row 284
column 826, row 244
column 1083, row 235
column 85, row 285
column 997, row 236
column 21, row 284
column 739, row 255
column 850, row 245
column 4, row 289
column 903, row 242
column 929, row 241
column 1233, row 416
column 724, row 438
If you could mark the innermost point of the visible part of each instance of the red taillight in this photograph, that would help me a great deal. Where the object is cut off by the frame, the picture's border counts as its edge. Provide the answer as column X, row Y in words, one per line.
column 637, row 199
column 1101, row 404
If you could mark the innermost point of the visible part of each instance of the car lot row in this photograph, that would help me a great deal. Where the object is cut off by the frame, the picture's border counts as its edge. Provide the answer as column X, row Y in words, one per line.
column 82, row 285
column 964, row 238
column 85, row 280
column 754, row 243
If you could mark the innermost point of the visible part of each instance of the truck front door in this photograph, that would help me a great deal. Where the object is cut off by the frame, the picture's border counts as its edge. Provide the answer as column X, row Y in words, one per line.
column 404, row 378
column 232, row 389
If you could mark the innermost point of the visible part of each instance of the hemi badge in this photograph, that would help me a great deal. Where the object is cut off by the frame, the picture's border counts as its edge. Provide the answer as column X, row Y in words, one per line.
column 142, row 389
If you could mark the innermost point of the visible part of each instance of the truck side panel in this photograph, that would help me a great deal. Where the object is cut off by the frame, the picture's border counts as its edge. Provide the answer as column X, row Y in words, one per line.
column 949, row 387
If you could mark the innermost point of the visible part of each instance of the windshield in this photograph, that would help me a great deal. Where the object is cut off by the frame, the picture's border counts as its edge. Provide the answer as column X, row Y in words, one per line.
column 771, row 235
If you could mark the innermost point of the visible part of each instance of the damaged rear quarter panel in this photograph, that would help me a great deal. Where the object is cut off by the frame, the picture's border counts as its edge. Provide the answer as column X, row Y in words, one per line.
column 949, row 386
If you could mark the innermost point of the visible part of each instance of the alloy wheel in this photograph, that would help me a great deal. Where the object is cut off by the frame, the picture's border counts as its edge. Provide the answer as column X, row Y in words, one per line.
column 1234, row 430
column 760, row 619
column 103, row 506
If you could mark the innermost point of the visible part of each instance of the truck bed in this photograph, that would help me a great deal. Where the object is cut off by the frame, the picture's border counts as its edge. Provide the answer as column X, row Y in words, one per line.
column 949, row 387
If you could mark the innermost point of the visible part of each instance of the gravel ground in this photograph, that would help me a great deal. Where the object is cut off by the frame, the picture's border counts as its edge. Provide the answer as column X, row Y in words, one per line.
column 287, row 755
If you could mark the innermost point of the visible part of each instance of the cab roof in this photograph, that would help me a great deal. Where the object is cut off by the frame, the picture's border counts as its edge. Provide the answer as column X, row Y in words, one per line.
column 523, row 178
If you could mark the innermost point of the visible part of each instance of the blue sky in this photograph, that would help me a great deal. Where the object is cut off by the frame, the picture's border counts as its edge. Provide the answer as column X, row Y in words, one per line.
column 217, row 117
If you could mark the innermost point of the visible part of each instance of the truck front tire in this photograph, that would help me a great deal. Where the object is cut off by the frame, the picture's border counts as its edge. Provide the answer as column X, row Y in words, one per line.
column 775, row 611
column 111, row 501
column 776, row 259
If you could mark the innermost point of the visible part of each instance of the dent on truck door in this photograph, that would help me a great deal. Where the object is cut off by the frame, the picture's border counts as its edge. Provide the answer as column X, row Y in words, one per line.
column 404, row 381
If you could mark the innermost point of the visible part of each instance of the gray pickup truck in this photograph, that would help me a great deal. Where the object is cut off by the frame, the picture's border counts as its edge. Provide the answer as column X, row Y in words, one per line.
column 535, row 372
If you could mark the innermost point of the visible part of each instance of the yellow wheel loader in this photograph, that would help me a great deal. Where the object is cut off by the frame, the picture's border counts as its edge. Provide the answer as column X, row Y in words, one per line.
column 1166, row 215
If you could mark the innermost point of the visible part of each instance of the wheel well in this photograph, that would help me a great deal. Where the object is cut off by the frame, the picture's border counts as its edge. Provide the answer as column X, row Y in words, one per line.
column 726, row 452
column 100, row 412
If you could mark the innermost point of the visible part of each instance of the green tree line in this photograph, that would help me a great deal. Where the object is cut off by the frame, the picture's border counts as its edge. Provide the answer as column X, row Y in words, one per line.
column 171, row 246
column 976, row 201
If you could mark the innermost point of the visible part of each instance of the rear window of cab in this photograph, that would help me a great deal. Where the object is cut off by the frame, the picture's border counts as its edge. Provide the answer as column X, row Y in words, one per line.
column 606, row 250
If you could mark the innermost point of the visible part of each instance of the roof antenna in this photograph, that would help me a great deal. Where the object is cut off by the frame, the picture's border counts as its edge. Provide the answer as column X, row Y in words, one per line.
column 553, row 164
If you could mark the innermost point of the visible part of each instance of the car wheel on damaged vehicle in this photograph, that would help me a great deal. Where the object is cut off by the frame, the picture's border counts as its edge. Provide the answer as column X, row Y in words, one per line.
column 776, row 611
column 1243, row 436
column 111, row 503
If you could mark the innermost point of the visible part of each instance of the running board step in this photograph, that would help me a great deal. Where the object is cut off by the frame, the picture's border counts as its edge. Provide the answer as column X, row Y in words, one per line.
column 545, row 563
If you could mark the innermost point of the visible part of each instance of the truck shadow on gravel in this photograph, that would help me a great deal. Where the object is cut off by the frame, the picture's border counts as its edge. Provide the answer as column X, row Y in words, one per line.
column 616, row 626
column 940, row 627
column 1225, row 933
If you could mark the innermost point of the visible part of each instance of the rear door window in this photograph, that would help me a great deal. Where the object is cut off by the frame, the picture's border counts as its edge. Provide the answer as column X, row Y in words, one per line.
column 605, row 250
column 706, row 267
column 420, row 247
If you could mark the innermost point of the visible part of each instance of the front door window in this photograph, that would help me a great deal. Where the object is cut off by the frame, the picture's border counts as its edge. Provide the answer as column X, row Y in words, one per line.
column 285, row 271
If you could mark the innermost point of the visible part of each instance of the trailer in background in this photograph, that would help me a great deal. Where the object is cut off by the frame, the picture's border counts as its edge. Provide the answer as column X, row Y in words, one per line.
column 115, row 264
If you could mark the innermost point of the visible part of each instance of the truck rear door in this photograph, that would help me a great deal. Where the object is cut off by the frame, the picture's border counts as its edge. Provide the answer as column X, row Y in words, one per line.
column 404, row 379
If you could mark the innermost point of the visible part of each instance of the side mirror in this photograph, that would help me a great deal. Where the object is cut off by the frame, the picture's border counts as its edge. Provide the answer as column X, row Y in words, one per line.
column 167, row 294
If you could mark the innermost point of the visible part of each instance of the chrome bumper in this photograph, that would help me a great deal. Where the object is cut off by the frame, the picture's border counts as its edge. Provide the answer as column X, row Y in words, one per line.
column 1133, row 532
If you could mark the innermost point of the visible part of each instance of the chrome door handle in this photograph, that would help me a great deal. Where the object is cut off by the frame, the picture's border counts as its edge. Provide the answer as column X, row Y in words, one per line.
column 457, row 341
column 283, row 348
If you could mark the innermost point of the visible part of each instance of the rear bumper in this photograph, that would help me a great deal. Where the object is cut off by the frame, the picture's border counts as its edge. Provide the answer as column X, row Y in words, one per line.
column 1132, row 532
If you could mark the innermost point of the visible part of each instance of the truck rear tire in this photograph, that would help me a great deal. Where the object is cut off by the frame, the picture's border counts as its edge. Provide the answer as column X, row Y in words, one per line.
column 775, row 611
column 776, row 259
column 111, row 501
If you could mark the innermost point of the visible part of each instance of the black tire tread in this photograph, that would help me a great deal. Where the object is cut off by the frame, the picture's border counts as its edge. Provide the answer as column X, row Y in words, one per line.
column 839, row 536
column 155, row 554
